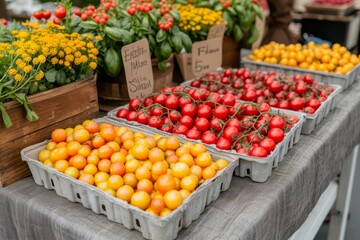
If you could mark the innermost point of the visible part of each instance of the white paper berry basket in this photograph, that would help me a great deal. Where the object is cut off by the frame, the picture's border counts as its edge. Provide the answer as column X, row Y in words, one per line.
column 119, row 211
column 312, row 120
column 258, row 169
column 344, row 81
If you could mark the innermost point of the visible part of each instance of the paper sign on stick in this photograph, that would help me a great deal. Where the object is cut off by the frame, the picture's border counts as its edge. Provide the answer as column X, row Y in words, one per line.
column 138, row 69
column 206, row 56
column 217, row 31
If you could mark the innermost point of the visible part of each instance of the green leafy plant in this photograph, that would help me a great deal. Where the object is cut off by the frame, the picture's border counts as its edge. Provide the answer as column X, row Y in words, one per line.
column 119, row 23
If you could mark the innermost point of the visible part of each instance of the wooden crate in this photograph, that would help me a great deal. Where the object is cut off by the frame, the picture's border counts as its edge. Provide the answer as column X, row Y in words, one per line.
column 57, row 108
column 113, row 90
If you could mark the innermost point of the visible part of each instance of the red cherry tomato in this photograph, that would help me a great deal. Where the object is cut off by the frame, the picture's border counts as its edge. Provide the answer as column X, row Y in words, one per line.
column 189, row 110
column 276, row 134
column 268, row 144
column 221, row 112
column 38, row 15
column 258, row 152
column 223, row 144
column 202, row 124
column 186, row 121
column 193, row 134
column 122, row 113
column 60, row 12
column 172, row 102
column 208, row 137
column 135, row 104
column 47, row 14
column 277, row 122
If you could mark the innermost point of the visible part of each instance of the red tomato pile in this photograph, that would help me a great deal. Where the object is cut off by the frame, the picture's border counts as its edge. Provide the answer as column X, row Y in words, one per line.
column 298, row 93
column 248, row 128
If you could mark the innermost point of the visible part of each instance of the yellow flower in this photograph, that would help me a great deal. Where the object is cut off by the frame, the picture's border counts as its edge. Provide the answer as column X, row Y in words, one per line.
column 18, row 77
column 54, row 61
column 35, row 61
column 61, row 54
column 27, row 69
column 12, row 71
column 39, row 76
column 99, row 38
column 84, row 58
column 93, row 65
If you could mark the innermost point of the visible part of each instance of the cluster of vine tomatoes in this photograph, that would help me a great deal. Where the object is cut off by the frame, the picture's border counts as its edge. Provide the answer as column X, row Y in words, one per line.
column 299, row 93
column 100, row 14
column 166, row 23
column 43, row 14
column 165, row 7
column 248, row 128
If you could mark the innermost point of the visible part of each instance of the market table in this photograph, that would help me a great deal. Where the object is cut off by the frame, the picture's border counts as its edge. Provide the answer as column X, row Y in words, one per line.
column 247, row 210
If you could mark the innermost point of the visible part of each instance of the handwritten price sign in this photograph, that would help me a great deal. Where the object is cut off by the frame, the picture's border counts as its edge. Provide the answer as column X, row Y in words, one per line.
column 206, row 56
column 138, row 69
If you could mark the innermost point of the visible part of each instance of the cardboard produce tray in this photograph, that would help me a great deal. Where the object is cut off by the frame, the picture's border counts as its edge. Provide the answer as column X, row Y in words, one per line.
column 258, row 169
column 329, row 78
column 312, row 120
column 119, row 211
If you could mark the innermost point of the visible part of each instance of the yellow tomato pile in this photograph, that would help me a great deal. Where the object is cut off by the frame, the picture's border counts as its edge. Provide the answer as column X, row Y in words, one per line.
column 336, row 59
column 152, row 173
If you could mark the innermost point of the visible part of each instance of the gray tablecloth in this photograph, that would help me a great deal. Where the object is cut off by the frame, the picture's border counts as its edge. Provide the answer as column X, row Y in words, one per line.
column 247, row 210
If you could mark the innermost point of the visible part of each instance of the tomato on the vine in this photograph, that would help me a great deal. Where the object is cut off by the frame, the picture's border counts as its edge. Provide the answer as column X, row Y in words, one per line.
column 202, row 124
column 223, row 144
column 258, row 152
column 155, row 122
column 122, row 113
column 135, row 104
column 172, row 102
column 208, row 137
column 221, row 112
column 60, row 12
column 276, row 134
column 277, row 122
column 189, row 110
column 186, row 121
column 268, row 144
column 193, row 134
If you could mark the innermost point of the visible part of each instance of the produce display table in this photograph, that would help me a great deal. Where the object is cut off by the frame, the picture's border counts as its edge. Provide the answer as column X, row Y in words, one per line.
column 247, row 210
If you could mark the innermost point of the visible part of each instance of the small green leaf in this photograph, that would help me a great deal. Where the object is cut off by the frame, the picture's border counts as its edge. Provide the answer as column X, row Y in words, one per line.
column 254, row 35
column 153, row 18
column 177, row 43
column 145, row 22
column 60, row 77
column 165, row 50
column 88, row 25
column 186, row 41
column 50, row 75
column 75, row 21
column 238, row 33
column 229, row 22
column 162, row 66
column 118, row 34
column 175, row 30
column 218, row 7
column 232, row 11
column 161, row 36
column 240, row 9
column 175, row 15
column 113, row 62
column 5, row 116
column 30, row 114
